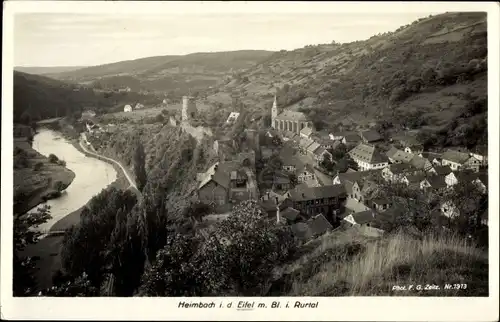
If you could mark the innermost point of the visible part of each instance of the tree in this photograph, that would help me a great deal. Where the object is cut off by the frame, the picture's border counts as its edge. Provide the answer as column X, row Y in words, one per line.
column 174, row 272
column 59, row 185
column 53, row 158
column 25, row 233
column 237, row 258
column 86, row 246
column 327, row 163
column 140, row 166
column 79, row 287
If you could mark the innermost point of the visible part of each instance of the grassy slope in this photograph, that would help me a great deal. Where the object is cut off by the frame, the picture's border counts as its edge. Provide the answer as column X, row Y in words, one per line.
column 349, row 79
column 35, row 184
column 350, row 263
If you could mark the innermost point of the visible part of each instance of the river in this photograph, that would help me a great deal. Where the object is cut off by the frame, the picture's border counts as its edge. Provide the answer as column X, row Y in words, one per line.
column 91, row 175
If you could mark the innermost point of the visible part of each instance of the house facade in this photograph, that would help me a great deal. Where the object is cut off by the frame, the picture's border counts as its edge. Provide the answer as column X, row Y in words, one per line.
column 368, row 157
column 326, row 200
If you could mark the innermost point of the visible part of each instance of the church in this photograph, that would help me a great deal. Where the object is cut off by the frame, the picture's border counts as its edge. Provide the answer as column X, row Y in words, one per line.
column 292, row 121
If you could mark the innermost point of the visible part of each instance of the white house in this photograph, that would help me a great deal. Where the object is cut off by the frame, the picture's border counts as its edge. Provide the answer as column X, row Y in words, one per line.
column 127, row 108
column 451, row 179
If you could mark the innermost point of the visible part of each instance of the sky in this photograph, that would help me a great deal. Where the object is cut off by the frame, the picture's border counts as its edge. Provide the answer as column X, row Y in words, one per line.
column 62, row 39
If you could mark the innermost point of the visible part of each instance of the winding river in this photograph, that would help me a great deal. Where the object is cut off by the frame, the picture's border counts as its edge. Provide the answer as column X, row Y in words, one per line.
column 91, row 175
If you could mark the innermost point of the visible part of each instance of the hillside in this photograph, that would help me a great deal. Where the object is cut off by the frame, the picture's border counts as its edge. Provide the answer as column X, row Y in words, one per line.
column 435, row 66
column 39, row 97
column 167, row 73
column 46, row 70
column 357, row 263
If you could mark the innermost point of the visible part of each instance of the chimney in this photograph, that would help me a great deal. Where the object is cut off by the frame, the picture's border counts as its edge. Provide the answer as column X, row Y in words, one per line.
column 268, row 195
column 278, row 219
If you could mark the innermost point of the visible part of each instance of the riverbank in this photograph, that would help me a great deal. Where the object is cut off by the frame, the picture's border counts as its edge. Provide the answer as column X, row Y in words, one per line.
column 36, row 179
column 121, row 182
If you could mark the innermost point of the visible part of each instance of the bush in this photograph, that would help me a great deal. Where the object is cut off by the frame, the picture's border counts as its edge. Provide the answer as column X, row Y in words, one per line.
column 53, row 158
column 38, row 166
column 61, row 163
column 59, row 185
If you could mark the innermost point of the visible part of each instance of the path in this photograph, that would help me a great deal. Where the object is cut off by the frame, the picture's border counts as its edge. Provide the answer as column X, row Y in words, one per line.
column 130, row 180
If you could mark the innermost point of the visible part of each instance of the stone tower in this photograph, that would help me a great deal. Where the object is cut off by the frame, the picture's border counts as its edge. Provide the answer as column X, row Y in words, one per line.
column 188, row 108
column 274, row 112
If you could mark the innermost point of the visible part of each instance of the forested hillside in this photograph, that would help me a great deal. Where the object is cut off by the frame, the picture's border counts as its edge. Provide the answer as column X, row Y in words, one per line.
column 39, row 97
column 430, row 74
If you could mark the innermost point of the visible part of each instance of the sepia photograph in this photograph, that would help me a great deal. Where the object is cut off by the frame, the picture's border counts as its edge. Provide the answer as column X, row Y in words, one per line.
column 250, row 153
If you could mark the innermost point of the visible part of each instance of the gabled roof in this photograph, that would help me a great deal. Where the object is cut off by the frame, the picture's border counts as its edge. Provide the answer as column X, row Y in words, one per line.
column 437, row 182
column 352, row 137
column 455, row 156
column 220, row 173
column 355, row 206
column 420, row 163
column 367, row 153
column 305, row 142
column 371, row 136
column 356, row 175
column 292, row 116
column 311, row 148
column 415, row 178
column 290, row 213
column 306, row 131
column 399, row 155
column 442, row 170
column 363, row 217
column 319, row 151
column 342, row 134
column 399, row 168
column 319, row 225
column 302, row 193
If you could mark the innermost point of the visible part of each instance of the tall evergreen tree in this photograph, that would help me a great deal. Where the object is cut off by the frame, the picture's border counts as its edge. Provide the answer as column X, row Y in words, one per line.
column 140, row 166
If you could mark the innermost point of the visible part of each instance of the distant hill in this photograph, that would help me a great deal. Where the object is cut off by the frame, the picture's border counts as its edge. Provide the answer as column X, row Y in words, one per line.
column 46, row 70
column 430, row 74
column 167, row 73
column 38, row 97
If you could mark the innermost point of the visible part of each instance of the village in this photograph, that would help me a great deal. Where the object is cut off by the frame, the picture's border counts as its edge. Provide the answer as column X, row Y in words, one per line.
column 316, row 181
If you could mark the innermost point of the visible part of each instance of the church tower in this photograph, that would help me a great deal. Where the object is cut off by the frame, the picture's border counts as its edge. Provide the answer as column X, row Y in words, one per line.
column 274, row 112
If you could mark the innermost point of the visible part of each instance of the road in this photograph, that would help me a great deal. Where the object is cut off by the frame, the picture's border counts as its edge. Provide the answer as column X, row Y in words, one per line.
column 130, row 180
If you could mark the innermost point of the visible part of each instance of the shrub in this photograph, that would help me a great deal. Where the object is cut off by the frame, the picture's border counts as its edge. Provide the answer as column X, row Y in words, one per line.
column 53, row 158
column 38, row 166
